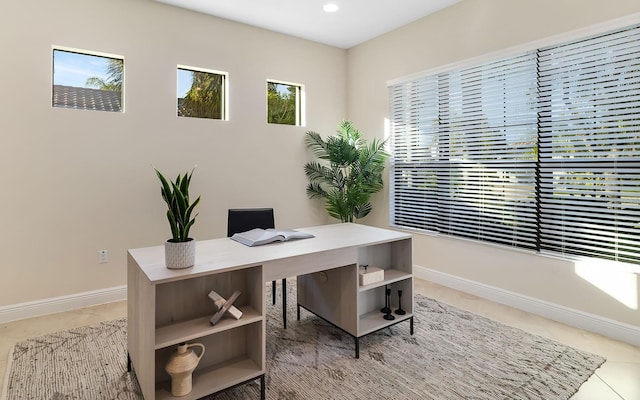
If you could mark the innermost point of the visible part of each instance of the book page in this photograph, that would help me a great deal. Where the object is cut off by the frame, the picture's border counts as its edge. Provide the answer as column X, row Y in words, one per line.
column 255, row 237
column 290, row 233
column 258, row 236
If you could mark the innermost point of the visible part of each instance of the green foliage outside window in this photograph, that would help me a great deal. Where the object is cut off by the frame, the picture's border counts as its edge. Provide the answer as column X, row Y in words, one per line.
column 204, row 98
column 282, row 103
column 113, row 78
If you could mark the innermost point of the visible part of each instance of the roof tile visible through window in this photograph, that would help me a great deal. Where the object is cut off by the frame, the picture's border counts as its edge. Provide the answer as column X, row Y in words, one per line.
column 86, row 98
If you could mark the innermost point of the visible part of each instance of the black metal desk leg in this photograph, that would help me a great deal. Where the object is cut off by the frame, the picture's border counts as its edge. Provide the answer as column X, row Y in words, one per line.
column 128, row 362
column 411, row 325
column 284, row 303
column 357, row 347
column 262, row 388
column 298, row 312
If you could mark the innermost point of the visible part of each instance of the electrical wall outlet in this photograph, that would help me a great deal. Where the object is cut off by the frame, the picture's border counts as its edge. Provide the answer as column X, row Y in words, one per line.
column 103, row 256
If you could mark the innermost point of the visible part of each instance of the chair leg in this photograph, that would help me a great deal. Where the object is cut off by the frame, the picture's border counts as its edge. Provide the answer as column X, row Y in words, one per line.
column 273, row 292
column 284, row 302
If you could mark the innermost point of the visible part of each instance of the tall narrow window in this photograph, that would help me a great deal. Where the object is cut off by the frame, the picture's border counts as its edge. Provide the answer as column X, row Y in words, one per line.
column 284, row 103
column 590, row 147
column 202, row 93
column 464, row 152
column 87, row 81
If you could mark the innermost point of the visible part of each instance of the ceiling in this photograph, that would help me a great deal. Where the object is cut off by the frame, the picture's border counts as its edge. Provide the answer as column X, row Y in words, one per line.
column 355, row 22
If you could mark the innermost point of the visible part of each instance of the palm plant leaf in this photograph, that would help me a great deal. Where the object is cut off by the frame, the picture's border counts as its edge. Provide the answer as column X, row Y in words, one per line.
column 338, row 179
column 317, row 172
column 362, row 210
column 352, row 171
column 317, row 145
column 341, row 152
column 314, row 190
column 348, row 132
column 337, row 206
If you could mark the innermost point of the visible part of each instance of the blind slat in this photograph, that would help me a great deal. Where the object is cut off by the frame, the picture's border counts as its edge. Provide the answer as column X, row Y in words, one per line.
column 538, row 151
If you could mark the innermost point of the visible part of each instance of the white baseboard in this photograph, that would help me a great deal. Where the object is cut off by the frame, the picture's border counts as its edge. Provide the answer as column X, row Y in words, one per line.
column 579, row 319
column 36, row 308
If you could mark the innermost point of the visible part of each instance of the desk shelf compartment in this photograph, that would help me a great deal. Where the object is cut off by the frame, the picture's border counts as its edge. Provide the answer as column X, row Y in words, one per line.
column 371, row 301
column 390, row 276
column 233, row 348
column 174, row 309
column 388, row 256
column 395, row 259
column 183, row 308
column 231, row 357
column 194, row 328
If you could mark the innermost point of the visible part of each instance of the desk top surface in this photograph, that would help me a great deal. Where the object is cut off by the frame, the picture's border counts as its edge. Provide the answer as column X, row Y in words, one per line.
column 217, row 255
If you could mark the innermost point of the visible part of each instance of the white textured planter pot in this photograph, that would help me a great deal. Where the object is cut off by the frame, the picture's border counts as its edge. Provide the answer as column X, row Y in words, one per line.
column 178, row 255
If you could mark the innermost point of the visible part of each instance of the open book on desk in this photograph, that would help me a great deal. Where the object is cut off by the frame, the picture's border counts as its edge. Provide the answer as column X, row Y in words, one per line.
column 258, row 236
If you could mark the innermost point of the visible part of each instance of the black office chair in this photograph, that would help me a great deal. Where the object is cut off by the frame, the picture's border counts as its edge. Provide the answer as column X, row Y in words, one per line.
column 244, row 219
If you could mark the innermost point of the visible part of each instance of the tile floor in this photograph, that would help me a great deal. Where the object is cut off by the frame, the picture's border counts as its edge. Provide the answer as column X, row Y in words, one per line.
column 618, row 378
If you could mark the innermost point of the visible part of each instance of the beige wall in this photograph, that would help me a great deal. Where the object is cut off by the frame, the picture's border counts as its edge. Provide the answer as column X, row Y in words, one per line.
column 74, row 182
column 470, row 29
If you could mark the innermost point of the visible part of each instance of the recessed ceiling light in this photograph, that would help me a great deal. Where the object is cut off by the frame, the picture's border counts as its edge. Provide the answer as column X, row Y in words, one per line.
column 330, row 7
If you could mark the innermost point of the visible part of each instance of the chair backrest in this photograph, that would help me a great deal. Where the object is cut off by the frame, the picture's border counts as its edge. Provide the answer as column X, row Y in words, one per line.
column 244, row 219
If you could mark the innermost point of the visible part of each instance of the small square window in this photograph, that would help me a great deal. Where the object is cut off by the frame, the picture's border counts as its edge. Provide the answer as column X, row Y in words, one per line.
column 86, row 81
column 202, row 93
column 284, row 103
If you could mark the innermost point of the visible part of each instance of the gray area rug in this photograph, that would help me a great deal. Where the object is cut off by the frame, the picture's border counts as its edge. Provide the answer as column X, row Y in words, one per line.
column 453, row 354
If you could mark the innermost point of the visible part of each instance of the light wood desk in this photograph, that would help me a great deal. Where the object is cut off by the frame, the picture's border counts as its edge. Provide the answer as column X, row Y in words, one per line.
column 167, row 307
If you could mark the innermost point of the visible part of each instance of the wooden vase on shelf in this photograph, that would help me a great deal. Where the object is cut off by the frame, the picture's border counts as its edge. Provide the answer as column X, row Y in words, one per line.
column 180, row 367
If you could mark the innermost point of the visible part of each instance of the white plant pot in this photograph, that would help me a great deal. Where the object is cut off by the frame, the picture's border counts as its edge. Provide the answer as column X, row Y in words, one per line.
column 178, row 255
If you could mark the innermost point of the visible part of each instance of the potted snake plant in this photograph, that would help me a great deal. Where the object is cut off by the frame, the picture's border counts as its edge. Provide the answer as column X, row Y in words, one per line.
column 180, row 249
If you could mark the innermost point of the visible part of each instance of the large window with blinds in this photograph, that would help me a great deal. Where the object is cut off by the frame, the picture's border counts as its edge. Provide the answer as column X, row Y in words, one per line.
column 538, row 151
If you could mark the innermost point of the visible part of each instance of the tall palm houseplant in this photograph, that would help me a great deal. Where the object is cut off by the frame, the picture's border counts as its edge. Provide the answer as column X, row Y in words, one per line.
column 347, row 173
column 180, row 249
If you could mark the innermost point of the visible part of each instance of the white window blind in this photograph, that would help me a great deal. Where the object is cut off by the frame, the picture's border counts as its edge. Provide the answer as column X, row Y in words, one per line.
column 464, row 152
column 590, row 147
column 537, row 151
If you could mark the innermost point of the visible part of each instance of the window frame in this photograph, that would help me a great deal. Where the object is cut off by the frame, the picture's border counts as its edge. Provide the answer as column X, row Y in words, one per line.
column 224, row 112
column 583, row 34
column 300, row 102
column 93, row 53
